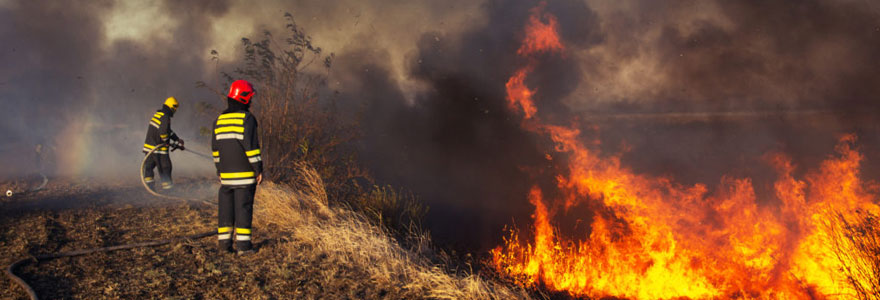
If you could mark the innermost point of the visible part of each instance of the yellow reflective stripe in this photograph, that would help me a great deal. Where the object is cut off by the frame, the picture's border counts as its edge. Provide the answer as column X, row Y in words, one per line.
column 243, row 230
column 230, row 122
column 160, row 113
column 253, row 152
column 215, row 153
column 237, row 175
column 148, row 146
column 231, row 116
column 224, row 229
column 163, row 136
column 163, row 148
column 229, row 129
column 156, row 120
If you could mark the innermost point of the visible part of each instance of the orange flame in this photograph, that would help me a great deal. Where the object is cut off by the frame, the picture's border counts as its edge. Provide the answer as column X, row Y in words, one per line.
column 519, row 94
column 540, row 36
column 652, row 238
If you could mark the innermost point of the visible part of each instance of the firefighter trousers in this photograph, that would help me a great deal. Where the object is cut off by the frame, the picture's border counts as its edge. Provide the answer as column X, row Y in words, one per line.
column 235, row 213
column 163, row 161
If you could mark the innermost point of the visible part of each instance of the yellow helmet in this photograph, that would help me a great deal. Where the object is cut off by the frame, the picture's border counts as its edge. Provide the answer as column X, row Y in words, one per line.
column 172, row 103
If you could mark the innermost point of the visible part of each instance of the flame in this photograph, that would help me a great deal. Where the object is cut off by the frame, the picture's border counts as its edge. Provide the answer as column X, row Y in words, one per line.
column 540, row 36
column 518, row 94
column 652, row 238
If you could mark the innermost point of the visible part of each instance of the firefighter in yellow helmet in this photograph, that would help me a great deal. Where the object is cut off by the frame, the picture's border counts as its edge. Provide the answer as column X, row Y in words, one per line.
column 159, row 134
column 236, row 150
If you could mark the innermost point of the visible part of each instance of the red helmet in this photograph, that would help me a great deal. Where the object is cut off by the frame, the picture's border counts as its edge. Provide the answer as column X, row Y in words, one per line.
column 241, row 91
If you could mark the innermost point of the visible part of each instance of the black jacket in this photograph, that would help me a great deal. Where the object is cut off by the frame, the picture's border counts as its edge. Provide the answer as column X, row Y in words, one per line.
column 235, row 146
column 159, row 131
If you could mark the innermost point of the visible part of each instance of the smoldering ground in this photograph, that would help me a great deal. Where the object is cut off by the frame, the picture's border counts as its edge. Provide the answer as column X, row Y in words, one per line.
column 694, row 90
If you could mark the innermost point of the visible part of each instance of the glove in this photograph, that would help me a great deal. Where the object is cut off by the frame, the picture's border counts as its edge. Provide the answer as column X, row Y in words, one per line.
column 180, row 144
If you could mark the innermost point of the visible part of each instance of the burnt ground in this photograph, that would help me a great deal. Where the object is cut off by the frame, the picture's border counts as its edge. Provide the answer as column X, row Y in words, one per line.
column 79, row 214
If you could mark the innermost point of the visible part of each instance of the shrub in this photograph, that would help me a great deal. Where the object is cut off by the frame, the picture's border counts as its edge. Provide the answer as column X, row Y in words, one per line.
column 298, row 124
column 301, row 125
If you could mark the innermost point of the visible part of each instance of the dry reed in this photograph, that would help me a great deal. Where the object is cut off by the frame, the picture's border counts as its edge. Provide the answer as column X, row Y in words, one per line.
column 356, row 242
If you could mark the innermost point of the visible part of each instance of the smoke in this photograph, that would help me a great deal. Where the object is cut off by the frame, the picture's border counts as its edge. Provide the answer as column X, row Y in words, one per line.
column 83, row 79
column 685, row 56
column 455, row 143
column 694, row 90
column 717, row 85
column 793, row 74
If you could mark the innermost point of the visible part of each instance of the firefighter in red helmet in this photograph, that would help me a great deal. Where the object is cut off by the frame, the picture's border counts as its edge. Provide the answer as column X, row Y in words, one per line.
column 236, row 150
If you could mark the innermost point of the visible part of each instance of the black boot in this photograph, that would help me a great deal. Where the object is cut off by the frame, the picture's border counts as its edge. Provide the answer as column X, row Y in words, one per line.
column 244, row 247
column 225, row 246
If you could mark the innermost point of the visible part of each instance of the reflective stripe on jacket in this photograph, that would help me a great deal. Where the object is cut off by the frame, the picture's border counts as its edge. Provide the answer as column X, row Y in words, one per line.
column 235, row 147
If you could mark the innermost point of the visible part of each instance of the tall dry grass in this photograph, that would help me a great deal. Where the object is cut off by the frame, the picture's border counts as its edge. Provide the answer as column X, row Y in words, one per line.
column 397, row 210
column 356, row 242
column 856, row 242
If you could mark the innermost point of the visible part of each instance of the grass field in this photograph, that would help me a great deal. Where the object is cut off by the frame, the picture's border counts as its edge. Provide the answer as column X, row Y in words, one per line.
column 306, row 249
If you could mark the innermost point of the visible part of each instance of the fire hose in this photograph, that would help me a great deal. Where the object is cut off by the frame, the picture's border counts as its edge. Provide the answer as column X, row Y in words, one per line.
column 45, row 180
column 171, row 147
column 10, row 270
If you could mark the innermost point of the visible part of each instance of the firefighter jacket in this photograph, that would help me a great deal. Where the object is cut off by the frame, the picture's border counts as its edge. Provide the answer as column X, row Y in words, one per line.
column 159, row 132
column 236, row 148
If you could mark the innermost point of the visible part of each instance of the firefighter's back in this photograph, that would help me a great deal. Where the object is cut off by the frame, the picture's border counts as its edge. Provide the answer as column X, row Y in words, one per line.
column 232, row 134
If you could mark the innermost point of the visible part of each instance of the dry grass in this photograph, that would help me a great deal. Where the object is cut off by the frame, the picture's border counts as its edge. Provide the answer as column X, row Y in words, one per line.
column 358, row 243
column 397, row 210
column 856, row 241
column 306, row 249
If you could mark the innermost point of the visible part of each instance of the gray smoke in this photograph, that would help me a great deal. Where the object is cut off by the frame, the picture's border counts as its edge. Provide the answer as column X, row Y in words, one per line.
column 90, row 97
column 689, row 90
column 694, row 90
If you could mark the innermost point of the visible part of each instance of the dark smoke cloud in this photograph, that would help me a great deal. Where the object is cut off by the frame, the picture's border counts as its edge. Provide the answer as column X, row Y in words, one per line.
column 47, row 49
column 718, row 84
column 89, row 97
column 457, row 144
column 762, row 60
column 693, row 90
column 735, row 55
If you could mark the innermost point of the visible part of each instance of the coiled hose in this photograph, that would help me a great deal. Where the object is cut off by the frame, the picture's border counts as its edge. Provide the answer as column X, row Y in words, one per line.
column 10, row 270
